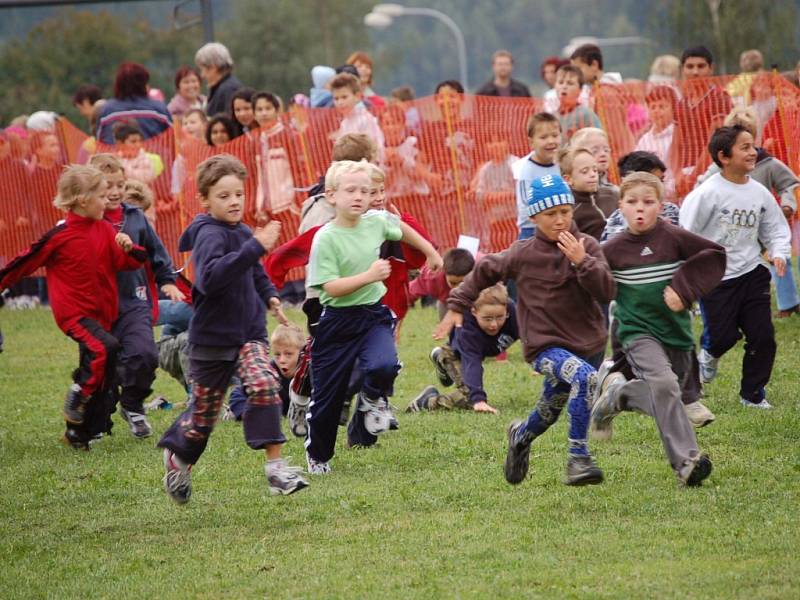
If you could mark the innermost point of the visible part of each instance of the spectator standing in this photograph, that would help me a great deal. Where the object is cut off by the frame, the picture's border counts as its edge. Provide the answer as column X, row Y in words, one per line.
column 502, row 83
column 187, row 93
column 216, row 68
column 363, row 63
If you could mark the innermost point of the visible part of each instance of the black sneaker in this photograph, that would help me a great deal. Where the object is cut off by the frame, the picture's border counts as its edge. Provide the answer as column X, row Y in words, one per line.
column 702, row 469
column 582, row 470
column 75, row 405
column 344, row 416
column 441, row 372
column 140, row 428
column 422, row 401
column 516, row 467
column 75, row 438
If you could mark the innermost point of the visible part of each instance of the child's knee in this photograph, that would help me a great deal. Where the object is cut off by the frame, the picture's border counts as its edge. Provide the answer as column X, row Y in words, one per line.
column 385, row 371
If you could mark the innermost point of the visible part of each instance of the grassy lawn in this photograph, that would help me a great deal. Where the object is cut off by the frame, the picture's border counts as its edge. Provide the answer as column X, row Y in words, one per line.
column 425, row 514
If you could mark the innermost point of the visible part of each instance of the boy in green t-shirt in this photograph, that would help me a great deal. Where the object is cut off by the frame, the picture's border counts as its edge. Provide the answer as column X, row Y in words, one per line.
column 354, row 326
column 660, row 271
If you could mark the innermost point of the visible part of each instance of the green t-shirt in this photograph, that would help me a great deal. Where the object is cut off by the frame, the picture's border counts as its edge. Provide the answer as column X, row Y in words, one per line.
column 344, row 251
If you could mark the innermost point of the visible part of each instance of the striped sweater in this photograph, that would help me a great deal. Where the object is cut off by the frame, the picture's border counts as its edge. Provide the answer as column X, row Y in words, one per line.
column 643, row 265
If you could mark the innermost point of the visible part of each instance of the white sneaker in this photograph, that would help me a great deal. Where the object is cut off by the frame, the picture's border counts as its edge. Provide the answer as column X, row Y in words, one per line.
column 378, row 417
column 763, row 405
column 708, row 366
column 698, row 414
column 317, row 467
column 296, row 414
column 606, row 408
column 283, row 479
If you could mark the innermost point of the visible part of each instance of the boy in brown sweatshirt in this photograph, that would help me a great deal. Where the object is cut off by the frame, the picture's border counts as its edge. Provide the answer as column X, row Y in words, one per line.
column 561, row 276
column 660, row 271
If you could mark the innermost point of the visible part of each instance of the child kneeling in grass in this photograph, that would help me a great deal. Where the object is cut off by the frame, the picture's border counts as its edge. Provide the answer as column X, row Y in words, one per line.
column 562, row 277
column 660, row 271
column 488, row 329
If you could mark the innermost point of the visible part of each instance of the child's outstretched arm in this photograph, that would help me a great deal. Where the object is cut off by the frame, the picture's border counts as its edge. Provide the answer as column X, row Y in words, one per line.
column 702, row 270
column 378, row 271
column 414, row 239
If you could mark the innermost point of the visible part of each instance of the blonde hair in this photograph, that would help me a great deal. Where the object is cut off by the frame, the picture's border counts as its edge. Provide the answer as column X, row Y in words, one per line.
column 75, row 182
column 665, row 67
column 376, row 174
column 637, row 178
column 355, row 146
column 290, row 334
column 579, row 137
column 745, row 116
column 566, row 157
column 106, row 163
column 345, row 167
column 497, row 295
column 138, row 194
column 211, row 170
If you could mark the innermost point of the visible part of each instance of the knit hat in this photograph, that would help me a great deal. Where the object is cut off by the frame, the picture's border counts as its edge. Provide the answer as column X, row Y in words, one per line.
column 547, row 192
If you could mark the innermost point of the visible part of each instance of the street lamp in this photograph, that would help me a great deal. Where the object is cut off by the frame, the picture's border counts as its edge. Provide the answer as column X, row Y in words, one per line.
column 382, row 16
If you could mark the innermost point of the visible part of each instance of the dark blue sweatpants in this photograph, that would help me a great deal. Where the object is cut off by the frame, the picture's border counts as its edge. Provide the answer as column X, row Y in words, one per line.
column 363, row 334
column 138, row 358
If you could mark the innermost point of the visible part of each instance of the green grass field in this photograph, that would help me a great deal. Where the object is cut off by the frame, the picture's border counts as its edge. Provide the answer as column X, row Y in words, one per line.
column 425, row 514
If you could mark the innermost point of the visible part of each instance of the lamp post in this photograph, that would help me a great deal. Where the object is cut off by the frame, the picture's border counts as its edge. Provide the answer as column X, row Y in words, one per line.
column 382, row 16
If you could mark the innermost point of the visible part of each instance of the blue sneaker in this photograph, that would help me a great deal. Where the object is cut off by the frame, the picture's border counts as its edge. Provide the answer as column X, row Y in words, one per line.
column 708, row 366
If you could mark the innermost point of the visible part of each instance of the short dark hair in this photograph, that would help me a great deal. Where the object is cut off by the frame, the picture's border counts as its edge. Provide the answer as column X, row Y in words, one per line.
column 538, row 119
column 571, row 69
column 226, row 121
column 185, row 71
column 131, row 81
column 588, row 53
column 723, row 140
column 456, row 85
column 88, row 92
column 697, row 52
column 269, row 97
column 640, row 160
column 124, row 129
column 458, row 262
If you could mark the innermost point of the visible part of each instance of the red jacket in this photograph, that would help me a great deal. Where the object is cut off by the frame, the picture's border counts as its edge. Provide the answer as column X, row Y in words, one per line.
column 82, row 259
column 295, row 253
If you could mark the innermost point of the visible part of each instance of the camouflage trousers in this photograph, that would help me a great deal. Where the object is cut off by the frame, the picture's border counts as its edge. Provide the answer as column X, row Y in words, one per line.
column 458, row 398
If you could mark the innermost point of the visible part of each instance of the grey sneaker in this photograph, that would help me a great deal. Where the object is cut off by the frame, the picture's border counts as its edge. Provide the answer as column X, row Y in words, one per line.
column 605, row 407
column 441, row 372
column 140, row 428
column 421, row 402
column 518, row 455
column 283, row 479
column 582, row 470
column 75, row 405
column 763, row 405
column 708, row 366
column 698, row 414
column 296, row 414
column 702, row 469
column 177, row 479
column 317, row 467
column 602, row 374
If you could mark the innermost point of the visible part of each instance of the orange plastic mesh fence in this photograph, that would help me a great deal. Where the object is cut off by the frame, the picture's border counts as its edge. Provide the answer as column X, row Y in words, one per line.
column 447, row 159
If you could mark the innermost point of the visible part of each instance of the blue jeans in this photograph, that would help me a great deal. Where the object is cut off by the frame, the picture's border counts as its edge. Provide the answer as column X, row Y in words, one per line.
column 785, row 288
column 569, row 380
column 174, row 316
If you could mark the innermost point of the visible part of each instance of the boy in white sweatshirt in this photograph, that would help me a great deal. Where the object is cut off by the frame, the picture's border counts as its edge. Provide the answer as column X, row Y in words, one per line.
column 740, row 214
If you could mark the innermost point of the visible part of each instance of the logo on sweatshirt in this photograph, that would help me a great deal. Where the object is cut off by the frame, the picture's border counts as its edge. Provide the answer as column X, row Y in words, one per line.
column 646, row 251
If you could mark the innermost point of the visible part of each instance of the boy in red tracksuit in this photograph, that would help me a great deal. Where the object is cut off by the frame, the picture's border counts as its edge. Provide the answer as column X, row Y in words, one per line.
column 82, row 255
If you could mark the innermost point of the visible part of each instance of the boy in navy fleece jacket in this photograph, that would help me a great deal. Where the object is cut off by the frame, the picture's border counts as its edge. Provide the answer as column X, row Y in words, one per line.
column 228, row 333
column 489, row 328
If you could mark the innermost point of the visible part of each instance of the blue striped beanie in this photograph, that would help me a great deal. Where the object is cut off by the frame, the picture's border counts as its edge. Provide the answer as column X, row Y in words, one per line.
column 547, row 192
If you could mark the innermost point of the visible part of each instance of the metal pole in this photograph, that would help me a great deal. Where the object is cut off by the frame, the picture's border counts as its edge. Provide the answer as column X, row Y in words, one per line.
column 460, row 45
column 208, row 20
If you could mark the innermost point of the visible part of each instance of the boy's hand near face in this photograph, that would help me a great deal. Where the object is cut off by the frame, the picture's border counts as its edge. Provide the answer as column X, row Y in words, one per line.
column 379, row 270
column 572, row 248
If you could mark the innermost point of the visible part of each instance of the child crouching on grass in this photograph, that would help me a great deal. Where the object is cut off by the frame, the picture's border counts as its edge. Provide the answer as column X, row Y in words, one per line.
column 488, row 329
column 660, row 270
column 354, row 327
column 562, row 277
column 82, row 255
column 227, row 333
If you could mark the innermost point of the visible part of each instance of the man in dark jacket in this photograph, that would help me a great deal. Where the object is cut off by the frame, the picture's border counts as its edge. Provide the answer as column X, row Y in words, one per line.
column 502, row 84
column 216, row 68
